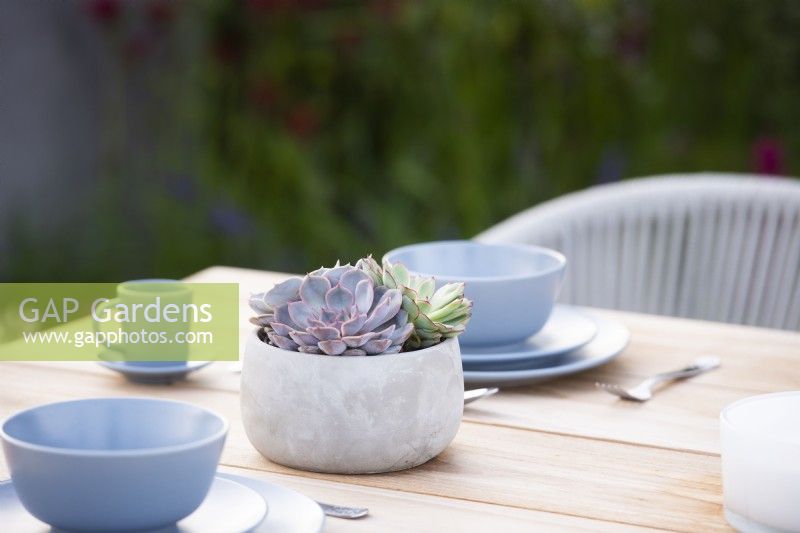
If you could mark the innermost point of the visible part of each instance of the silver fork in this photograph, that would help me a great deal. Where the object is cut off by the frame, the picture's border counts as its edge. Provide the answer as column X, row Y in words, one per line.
column 644, row 390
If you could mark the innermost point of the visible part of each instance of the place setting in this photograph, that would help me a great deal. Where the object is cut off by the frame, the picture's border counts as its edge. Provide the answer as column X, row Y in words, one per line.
column 518, row 334
column 137, row 464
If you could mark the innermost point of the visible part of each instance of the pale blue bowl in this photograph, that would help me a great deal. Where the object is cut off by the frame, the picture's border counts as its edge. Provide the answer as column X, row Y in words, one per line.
column 113, row 464
column 513, row 286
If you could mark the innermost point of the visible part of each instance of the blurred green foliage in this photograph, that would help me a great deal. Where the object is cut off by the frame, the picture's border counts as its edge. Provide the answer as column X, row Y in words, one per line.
column 327, row 130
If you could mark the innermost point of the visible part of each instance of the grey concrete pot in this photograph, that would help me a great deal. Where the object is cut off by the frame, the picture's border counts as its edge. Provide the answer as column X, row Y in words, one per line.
column 351, row 415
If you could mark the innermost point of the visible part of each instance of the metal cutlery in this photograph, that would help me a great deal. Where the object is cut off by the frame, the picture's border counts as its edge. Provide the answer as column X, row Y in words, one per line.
column 340, row 511
column 644, row 390
column 476, row 394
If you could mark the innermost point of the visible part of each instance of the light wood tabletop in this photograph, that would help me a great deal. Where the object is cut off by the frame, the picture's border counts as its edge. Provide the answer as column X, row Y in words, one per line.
column 558, row 455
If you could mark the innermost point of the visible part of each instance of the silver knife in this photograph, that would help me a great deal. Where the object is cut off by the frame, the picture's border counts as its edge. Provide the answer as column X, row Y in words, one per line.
column 340, row 511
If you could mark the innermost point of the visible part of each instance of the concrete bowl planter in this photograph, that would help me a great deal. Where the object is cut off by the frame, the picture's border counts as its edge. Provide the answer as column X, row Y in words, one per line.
column 351, row 415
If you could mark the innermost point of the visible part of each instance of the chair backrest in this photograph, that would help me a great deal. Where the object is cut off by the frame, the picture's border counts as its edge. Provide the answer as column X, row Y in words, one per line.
column 721, row 247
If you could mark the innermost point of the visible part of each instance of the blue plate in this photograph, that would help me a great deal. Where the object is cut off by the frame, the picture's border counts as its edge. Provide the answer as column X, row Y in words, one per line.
column 289, row 511
column 230, row 507
column 567, row 329
column 612, row 338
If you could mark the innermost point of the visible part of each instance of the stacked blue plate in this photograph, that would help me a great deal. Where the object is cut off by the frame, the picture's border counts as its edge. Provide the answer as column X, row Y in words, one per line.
column 572, row 340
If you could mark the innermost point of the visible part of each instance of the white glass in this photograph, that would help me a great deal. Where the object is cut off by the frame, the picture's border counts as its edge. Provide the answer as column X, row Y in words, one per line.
column 761, row 462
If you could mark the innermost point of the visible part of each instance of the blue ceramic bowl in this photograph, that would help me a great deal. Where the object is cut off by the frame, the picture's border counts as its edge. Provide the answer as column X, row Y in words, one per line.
column 113, row 464
column 513, row 286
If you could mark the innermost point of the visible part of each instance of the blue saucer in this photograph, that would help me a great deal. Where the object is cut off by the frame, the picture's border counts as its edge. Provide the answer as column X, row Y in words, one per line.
column 154, row 374
column 567, row 329
column 213, row 516
column 612, row 338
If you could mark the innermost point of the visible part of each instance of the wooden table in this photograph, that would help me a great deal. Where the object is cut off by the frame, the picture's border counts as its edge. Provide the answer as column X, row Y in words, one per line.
column 560, row 455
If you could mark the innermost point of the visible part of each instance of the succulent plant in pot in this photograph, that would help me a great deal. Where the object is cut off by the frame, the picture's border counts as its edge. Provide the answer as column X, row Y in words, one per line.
column 338, row 311
column 354, row 369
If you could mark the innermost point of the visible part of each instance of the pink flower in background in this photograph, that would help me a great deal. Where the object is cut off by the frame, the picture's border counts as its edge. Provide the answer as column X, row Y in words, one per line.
column 633, row 35
column 303, row 121
column 348, row 37
column 312, row 4
column 104, row 11
column 767, row 156
column 268, row 6
column 136, row 47
column 228, row 48
column 271, row 6
column 386, row 9
column 161, row 12
column 263, row 95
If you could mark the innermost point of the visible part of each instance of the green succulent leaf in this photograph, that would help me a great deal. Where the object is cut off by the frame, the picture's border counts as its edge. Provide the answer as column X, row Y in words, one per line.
column 413, row 342
column 446, row 294
column 388, row 279
column 423, row 322
column 424, row 306
column 442, row 313
column 410, row 307
column 411, row 293
column 400, row 274
column 371, row 267
column 454, row 320
column 426, row 287
column 425, row 343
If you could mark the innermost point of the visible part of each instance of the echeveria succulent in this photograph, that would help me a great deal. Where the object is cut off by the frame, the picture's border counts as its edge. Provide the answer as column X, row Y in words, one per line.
column 436, row 314
column 333, row 311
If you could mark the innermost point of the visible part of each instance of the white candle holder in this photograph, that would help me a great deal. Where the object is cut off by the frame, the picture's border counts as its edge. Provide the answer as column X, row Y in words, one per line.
column 761, row 462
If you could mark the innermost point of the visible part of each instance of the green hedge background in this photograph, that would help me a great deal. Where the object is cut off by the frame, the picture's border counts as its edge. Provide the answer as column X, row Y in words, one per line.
column 287, row 134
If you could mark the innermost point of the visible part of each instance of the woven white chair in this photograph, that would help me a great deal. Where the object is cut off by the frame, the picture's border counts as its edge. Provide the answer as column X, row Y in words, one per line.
column 721, row 247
